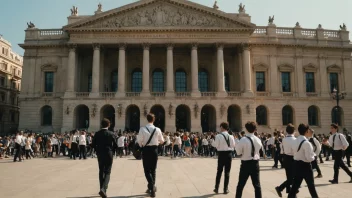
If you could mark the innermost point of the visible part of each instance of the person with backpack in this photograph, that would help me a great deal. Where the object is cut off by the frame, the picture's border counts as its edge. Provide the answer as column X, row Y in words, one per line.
column 149, row 137
column 316, row 148
column 224, row 143
column 338, row 144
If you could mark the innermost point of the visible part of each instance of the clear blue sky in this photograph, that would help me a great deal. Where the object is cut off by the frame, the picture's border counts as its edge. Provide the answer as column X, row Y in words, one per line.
column 53, row 13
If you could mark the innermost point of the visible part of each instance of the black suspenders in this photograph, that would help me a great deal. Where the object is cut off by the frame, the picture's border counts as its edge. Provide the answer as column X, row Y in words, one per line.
column 300, row 145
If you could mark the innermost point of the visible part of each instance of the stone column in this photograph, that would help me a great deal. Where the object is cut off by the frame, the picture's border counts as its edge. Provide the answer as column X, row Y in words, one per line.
column 95, row 71
column 324, row 82
column 300, row 75
column 146, row 68
column 121, row 71
column 220, row 71
column 274, row 86
column 71, row 71
column 247, row 72
column 194, row 71
column 170, row 71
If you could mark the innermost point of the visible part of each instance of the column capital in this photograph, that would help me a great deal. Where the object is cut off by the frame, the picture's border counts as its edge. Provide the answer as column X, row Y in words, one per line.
column 122, row 46
column 72, row 47
column 170, row 46
column 245, row 46
column 219, row 46
column 194, row 46
column 96, row 46
column 146, row 46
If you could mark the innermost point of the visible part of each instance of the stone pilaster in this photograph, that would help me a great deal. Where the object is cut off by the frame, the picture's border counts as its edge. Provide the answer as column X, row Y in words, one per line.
column 95, row 71
column 121, row 71
column 170, row 71
column 71, row 71
column 220, row 71
column 146, row 68
column 194, row 71
column 247, row 73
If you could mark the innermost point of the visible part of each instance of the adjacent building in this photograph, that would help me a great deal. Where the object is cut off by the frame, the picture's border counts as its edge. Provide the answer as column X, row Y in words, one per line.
column 10, row 82
column 192, row 66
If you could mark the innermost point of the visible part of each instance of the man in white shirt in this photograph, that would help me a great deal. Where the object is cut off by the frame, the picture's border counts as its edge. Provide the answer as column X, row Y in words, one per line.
column 316, row 148
column 224, row 143
column 287, row 150
column 18, row 148
column 55, row 144
column 82, row 145
column 339, row 144
column 249, row 147
column 303, row 157
column 149, row 137
column 120, row 144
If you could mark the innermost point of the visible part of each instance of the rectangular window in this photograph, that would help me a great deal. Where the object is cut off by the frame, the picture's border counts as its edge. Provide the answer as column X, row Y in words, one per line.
column 13, row 85
column 2, row 81
column 334, row 81
column 49, row 82
column 260, row 81
column 286, row 81
column 2, row 97
column 89, row 82
column 310, row 83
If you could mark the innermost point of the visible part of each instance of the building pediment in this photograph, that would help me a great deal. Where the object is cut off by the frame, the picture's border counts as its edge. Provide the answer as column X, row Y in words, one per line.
column 160, row 14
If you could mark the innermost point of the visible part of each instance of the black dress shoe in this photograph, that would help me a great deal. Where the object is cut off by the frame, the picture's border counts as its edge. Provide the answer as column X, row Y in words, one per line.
column 102, row 193
column 152, row 194
column 216, row 190
column 333, row 182
column 278, row 191
column 226, row 192
column 147, row 191
column 351, row 180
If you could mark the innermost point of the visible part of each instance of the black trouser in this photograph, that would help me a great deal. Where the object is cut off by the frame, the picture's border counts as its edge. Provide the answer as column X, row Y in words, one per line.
column 105, row 160
column 224, row 161
column 339, row 163
column 56, row 148
column 249, row 168
column 150, row 160
column 176, row 150
column 206, row 150
column 82, row 152
column 18, row 153
column 316, row 166
column 348, row 158
column 288, row 164
column 303, row 170
column 277, row 158
column 74, row 150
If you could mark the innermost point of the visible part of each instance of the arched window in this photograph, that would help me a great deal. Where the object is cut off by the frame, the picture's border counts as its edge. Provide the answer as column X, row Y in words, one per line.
column 227, row 82
column 47, row 114
column 336, row 115
column 180, row 81
column 313, row 116
column 203, row 81
column 158, row 80
column 287, row 115
column 136, row 85
column 261, row 115
column 114, row 81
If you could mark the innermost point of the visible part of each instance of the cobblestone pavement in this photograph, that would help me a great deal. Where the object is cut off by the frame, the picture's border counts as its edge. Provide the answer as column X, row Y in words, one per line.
column 195, row 177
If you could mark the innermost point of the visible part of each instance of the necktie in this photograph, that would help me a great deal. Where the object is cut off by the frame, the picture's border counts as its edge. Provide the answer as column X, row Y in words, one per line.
column 333, row 142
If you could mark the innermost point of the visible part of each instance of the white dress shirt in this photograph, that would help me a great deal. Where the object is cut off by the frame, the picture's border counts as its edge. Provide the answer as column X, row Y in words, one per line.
column 340, row 141
column 244, row 147
column 288, row 144
column 18, row 139
column 167, row 140
column 221, row 144
column 271, row 141
column 121, row 141
column 143, row 136
column 54, row 141
column 82, row 140
column 205, row 142
column 317, row 148
column 178, row 141
column 306, row 153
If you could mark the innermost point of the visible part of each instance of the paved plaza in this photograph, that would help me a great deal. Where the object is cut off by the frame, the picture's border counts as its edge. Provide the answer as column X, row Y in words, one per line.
column 64, row 178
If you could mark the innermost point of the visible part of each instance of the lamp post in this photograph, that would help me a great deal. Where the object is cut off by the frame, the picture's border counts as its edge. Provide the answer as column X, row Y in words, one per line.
column 336, row 95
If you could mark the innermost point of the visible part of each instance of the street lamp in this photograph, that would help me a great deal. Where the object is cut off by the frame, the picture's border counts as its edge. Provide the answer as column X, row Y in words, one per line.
column 336, row 95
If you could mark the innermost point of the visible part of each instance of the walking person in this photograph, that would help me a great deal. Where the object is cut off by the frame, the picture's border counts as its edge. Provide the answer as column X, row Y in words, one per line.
column 224, row 143
column 120, row 145
column 18, row 149
column 303, row 157
column 349, row 150
column 287, row 150
column 104, row 143
column 338, row 144
column 74, row 145
column 82, row 146
column 149, row 137
column 249, row 147
column 316, row 148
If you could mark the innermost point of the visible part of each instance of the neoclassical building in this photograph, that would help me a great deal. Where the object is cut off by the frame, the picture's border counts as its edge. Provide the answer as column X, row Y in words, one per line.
column 192, row 66
column 10, row 82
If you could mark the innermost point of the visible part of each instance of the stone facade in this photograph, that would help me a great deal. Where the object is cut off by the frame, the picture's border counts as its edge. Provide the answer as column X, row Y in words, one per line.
column 10, row 82
column 191, row 65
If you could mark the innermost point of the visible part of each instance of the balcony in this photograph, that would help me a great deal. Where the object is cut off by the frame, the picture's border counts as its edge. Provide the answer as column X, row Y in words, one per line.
column 133, row 94
column 183, row 94
column 158, row 94
column 108, row 94
column 234, row 94
column 312, row 94
column 47, row 94
column 287, row 94
column 82, row 94
column 262, row 94
column 208, row 94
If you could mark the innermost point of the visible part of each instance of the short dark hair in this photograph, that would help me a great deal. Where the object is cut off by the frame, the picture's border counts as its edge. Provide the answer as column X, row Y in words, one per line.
column 150, row 117
column 251, row 126
column 105, row 123
column 335, row 126
column 224, row 125
column 290, row 128
column 303, row 128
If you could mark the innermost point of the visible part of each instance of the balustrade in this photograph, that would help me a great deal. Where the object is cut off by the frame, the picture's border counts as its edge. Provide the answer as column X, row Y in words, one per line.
column 108, row 94
column 133, row 94
column 234, row 94
column 158, row 94
column 183, row 94
column 82, row 94
column 261, row 94
column 209, row 94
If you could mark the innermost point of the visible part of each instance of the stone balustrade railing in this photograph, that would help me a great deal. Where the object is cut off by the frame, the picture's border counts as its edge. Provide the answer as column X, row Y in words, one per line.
column 157, row 94
column 262, row 94
column 133, row 94
column 208, row 94
column 312, row 94
column 47, row 94
column 183, row 94
column 288, row 94
column 82, row 94
column 234, row 94
column 108, row 94
column 38, row 34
